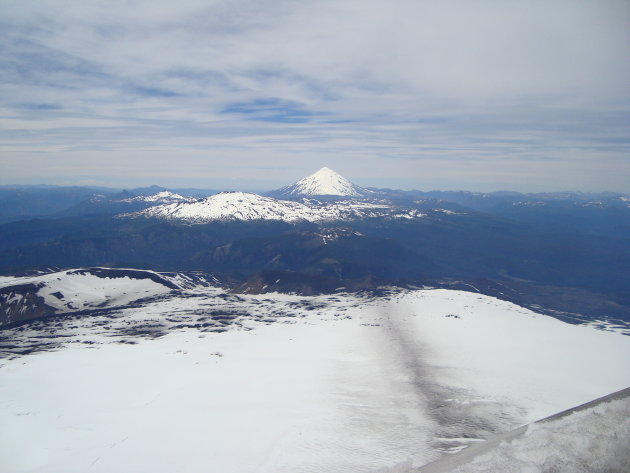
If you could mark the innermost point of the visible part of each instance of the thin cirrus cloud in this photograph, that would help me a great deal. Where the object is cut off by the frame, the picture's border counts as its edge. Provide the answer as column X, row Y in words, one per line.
column 427, row 94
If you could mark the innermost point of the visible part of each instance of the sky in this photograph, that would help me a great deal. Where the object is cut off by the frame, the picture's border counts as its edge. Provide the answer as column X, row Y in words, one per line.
column 234, row 94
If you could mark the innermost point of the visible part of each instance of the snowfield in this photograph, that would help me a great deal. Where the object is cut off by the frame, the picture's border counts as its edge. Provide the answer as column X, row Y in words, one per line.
column 200, row 380
column 246, row 206
column 71, row 290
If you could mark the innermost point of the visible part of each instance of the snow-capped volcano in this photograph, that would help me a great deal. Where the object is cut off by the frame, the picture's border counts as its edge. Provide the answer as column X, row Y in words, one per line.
column 322, row 183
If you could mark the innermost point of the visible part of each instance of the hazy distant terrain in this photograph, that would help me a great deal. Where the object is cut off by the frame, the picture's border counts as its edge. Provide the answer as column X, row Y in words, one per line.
column 569, row 252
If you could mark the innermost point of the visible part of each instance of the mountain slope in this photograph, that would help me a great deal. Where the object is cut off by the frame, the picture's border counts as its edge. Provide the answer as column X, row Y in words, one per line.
column 246, row 206
column 25, row 298
column 336, row 252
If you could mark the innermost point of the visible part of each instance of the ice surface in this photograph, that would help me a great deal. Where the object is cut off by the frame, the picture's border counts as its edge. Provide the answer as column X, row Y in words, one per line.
column 343, row 383
column 589, row 439
column 596, row 440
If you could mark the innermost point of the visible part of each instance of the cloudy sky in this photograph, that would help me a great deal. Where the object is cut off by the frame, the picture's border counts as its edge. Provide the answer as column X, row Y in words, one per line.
column 474, row 94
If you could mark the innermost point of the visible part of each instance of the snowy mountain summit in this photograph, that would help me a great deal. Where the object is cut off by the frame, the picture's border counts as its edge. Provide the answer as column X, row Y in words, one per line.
column 163, row 197
column 324, row 182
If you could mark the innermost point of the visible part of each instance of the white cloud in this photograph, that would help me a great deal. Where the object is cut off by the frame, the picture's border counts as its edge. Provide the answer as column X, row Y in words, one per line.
column 405, row 88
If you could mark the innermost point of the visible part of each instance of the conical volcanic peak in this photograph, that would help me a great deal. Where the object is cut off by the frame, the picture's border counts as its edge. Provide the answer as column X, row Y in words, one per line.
column 323, row 182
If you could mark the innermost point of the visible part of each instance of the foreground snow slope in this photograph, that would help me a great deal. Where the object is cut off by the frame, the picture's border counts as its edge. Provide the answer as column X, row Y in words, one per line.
column 343, row 383
column 499, row 349
column 589, row 438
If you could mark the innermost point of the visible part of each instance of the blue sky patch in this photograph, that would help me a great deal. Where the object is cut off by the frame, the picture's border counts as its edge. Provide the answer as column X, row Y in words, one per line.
column 271, row 110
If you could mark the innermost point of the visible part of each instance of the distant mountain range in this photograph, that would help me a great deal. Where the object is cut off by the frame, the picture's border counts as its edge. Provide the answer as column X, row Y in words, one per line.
column 248, row 206
column 25, row 202
column 568, row 252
